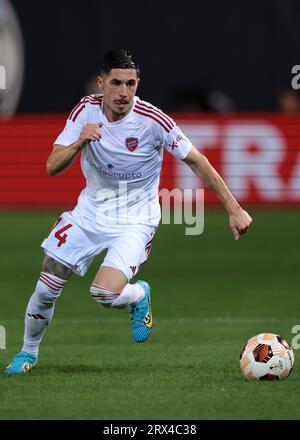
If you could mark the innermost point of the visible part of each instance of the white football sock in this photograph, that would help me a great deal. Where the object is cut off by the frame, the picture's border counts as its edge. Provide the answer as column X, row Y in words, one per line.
column 40, row 310
column 131, row 294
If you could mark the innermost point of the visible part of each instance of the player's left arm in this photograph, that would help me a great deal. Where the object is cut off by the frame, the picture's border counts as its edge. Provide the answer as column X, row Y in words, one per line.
column 239, row 219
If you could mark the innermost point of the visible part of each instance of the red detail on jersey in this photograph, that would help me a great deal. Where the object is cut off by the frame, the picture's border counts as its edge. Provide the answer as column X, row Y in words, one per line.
column 78, row 112
column 75, row 108
column 93, row 97
column 87, row 99
column 152, row 107
column 93, row 102
column 142, row 106
column 156, row 114
column 152, row 117
column 131, row 143
column 173, row 145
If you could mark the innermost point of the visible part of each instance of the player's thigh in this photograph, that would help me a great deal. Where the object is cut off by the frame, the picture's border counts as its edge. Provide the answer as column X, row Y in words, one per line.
column 110, row 278
column 50, row 265
column 130, row 251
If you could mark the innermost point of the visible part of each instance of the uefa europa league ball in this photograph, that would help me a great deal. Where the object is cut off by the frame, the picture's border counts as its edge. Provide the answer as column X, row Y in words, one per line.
column 266, row 357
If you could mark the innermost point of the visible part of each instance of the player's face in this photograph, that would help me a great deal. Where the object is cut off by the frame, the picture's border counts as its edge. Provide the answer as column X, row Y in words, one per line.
column 118, row 88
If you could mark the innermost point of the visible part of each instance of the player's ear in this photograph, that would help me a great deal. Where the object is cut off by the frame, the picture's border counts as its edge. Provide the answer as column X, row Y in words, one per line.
column 100, row 82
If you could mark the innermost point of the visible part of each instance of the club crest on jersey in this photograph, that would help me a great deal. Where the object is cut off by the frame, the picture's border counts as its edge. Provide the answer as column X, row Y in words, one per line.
column 131, row 143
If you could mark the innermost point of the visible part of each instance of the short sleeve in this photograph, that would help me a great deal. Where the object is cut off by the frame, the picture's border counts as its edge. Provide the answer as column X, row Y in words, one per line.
column 76, row 120
column 176, row 143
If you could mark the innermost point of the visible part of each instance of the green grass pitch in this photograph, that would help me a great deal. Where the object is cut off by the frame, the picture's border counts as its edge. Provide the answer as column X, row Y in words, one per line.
column 209, row 295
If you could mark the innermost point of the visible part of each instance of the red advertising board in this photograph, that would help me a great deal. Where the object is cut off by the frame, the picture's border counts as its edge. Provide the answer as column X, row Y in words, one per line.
column 258, row 155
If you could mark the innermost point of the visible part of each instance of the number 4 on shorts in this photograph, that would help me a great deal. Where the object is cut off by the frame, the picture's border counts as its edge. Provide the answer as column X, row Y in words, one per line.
column 61, row 238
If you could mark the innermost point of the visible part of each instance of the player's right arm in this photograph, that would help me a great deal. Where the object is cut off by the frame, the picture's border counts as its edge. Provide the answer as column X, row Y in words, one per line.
column 63, row 156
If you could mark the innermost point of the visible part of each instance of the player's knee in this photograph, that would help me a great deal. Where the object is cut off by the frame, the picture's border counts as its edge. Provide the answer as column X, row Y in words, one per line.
column 103, row 296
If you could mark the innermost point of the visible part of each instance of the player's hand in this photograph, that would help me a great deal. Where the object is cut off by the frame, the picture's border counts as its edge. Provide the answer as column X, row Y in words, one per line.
column 240, row 222
column 91, row 132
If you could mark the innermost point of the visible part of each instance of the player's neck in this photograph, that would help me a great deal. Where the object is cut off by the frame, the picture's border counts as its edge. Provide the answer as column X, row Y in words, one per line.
column 112, row 116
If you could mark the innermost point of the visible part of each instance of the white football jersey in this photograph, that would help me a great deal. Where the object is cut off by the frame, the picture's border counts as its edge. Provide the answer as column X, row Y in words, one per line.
column 122, row 169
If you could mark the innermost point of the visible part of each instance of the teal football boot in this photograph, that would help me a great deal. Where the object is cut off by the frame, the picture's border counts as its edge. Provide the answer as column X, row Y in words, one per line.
column 141, row 315
column 21, row 363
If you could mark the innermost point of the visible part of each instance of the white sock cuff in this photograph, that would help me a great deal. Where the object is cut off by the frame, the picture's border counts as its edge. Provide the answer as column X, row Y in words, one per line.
column 103, row 296
column 131, row 294
column 54, row 277
column 54, row 283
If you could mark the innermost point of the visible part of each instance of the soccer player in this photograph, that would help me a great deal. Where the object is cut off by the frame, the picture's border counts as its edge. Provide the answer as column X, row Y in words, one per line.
column 121, row 141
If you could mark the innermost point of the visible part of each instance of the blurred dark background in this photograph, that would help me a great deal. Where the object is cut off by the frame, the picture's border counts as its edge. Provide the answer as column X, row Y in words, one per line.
column 194, row 55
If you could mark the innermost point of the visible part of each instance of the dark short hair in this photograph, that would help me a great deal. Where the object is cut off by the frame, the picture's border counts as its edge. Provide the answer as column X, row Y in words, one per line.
column 118, row 59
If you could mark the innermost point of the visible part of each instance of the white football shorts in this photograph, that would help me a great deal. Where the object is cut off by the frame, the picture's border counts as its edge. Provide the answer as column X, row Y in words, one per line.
column 75, row 246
